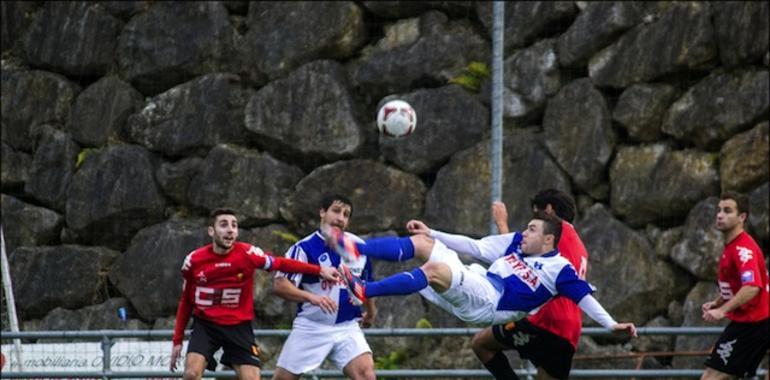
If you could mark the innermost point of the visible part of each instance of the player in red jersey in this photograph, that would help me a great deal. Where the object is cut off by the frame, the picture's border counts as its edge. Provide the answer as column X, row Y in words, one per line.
column 218, row 292
column 743, row 298
column 548, row 338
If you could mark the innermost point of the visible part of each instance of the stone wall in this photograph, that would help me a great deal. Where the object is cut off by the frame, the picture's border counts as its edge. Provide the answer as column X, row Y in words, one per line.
column 124, row 123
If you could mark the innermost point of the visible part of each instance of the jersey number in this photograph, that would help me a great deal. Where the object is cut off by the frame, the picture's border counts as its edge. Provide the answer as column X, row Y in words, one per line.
column 209, row 296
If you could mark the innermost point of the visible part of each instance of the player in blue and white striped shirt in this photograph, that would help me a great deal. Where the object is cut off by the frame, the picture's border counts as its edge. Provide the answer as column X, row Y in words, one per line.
column 327, row 322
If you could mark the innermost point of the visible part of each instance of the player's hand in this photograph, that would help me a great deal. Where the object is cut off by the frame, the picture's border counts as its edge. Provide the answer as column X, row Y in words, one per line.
column 175, row 352
column 325, row 303
column 708, row 306
column 500, row 215
column 713, row 315
column 329, row 274
column 417, row 227
column 620, row 327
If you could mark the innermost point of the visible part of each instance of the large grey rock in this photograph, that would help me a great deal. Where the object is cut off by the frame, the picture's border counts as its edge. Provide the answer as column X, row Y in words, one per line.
column 52, row 168
column 100, row 112
column 148, row 272
column 16, row 17
column 125, row 9
column 403, row 9
column 449, row 119
column 284, row 35
column 95, row 317
column 743, row 160
column 681, row 39
column 14, row 171
column 457, row 204
column 578, row 133
column 701, row 244
column 174, row 177
column 596, row 27
column 641, row 107
column 655, row 343
column 413, row 54
column 653, row 183
column 28, row 225
column 112, row 195
column 33, row 98
column 759, row 205
column 372, row 204
column 295, row 113
column 173, row 42
column 526, row 21
column 77, row 38
column 67, row 276
column 633, row 285
column 589, row 346
column 251, row 182
column 192, row 117
column 741, row 31
column 702, row 292
column 719, row 106
column 274, row 238
column 530, row 76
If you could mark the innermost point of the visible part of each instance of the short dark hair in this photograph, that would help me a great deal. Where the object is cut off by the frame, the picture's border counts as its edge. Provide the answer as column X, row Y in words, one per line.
column 741, row 200
column 328, row 199
column 220, row 211
column 563, row 204
column 551, row 225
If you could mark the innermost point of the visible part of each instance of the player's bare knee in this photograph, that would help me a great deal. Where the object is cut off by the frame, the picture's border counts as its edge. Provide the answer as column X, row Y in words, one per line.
column 438, row 274
column 423, row 245
column 192, row 374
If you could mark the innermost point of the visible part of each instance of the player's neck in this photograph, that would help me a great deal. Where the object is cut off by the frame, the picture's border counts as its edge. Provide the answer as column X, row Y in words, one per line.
column 732, row 233
column 220, row 250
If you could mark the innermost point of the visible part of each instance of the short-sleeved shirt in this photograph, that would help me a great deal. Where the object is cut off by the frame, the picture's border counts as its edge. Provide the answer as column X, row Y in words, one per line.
column 742, row 263
column 313, row 250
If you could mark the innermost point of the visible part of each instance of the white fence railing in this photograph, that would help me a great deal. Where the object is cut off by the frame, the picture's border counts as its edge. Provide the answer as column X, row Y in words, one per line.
column 107, row 339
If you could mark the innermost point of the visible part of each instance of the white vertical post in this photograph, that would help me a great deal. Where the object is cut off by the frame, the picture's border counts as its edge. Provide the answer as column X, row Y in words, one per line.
column 8, row 288
column 496, row 141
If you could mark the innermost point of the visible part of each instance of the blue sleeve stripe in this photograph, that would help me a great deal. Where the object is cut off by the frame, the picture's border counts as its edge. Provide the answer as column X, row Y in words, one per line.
column 571, row 286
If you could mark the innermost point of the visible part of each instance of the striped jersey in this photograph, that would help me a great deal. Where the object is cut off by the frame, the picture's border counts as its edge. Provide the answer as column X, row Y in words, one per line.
column 313, row 250
column 525, row 281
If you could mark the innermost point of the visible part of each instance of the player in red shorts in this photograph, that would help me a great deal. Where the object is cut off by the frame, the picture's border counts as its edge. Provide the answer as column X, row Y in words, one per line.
column 548, row 338
column 218, row 292
column 743, row 298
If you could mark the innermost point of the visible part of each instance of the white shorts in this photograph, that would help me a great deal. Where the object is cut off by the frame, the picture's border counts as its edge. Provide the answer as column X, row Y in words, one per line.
column 471, row 297
column 309, row 343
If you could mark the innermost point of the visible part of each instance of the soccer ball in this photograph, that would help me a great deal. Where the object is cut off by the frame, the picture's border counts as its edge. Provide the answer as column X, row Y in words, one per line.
column 396, row 118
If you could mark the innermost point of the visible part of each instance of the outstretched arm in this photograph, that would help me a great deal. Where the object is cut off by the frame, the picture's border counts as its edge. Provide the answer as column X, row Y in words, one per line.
column 594, row 309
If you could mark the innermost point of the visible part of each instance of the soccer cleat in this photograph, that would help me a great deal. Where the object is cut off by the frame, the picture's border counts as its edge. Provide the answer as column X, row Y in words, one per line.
column 341, row 244
column 356, row 286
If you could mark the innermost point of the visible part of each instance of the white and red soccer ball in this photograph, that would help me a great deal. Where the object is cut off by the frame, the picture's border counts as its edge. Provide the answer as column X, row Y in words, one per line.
column 396, row 118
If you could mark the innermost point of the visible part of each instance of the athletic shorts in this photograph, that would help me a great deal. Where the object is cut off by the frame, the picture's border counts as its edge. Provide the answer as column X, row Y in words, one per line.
column 237, row 342
column 543, row 348
column 471, row 297
column 309, row 343
column 740, row 348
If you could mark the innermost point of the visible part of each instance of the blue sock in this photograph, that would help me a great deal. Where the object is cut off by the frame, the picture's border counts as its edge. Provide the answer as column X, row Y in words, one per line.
column 388, row 248
column 401, row 283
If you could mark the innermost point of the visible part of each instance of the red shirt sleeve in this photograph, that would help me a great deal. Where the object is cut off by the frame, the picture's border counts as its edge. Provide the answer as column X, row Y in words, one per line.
column 748, row 266
column 268, row 262
column 293, row 266
column 186, row 302
column 183, row 312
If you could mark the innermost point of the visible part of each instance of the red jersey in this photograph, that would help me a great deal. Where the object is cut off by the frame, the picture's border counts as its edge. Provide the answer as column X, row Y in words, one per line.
column 742, row 264
column 220, row 288
column 561, row 315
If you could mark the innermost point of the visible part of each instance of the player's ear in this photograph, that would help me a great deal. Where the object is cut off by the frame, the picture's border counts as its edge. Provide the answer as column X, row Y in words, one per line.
column 211, row 231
